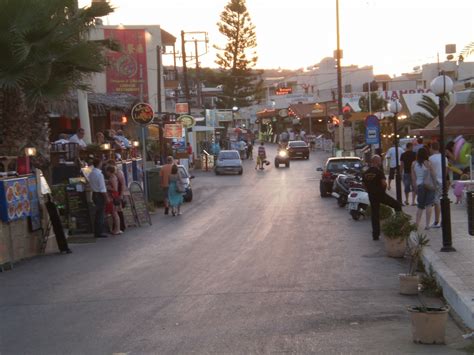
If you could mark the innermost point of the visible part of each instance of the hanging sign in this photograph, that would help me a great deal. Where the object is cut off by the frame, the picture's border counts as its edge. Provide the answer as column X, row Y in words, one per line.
column 142, row 113
column 181, row 107
column 173, row 131
column 187, row 121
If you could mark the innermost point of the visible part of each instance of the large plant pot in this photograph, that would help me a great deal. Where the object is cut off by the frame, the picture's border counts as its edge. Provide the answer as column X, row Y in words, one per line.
column 395, row 247
column 428, row 325
column 409, row 284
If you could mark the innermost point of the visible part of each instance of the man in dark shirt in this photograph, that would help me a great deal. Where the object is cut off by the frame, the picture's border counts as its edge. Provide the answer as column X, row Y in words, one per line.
column 406, row 159
column 376, row 184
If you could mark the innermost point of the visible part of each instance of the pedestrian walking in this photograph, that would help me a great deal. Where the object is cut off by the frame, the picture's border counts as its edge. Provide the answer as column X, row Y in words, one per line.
column 376, row 184
column 165, row 173
column 114, row 203
column 189, row 151
column 123, row 192
column 261, row 156
column 424, row 176
column 390, row 156
column 175, row 195
column 406, row 160
column 435, row 160
column 99, row 197
column 249, row 150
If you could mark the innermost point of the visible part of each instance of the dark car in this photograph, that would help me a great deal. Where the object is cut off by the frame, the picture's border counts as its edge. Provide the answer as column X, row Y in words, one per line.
column 282, row 157
column 332, row 168
column 298, row 149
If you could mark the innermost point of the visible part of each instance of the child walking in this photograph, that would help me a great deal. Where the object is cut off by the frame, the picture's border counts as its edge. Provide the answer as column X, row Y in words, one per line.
column 458, row 188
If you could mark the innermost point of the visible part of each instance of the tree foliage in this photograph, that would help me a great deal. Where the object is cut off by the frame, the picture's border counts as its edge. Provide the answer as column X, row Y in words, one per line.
column 45, row 53
column 378, row 103
column 241, row 84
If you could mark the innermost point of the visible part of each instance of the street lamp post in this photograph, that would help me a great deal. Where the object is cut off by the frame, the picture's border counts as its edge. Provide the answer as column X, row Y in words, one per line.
column 395, row 108
column 441, row 86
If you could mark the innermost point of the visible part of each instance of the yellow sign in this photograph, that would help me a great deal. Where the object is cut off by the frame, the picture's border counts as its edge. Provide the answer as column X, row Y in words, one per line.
column 187, row 121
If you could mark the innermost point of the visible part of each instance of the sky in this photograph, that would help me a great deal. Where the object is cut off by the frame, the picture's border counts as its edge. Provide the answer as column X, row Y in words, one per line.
column 393, row 36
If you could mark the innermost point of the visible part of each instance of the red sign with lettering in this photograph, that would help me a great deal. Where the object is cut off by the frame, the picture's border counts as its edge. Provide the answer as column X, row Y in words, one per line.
column 123, row 72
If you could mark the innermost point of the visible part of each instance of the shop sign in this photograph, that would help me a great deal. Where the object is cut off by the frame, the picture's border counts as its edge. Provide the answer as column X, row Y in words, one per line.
column 173, row 131
column 187, row 121
column 123, row 74
column 181, row 107
column 283, row 91
column 283, row 113
column 142, row 113
column 372, row 130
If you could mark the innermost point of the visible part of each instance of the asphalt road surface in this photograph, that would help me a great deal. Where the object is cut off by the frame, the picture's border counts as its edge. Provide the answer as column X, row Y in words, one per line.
column 258, row 263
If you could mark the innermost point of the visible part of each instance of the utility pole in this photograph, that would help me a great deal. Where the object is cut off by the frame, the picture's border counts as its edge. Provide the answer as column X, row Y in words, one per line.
column 339, row 80
column 185, row 71
column 198, row 82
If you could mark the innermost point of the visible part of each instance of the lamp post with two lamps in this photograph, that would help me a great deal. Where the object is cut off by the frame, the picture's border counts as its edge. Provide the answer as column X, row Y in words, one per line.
column 395, row 107
column 441, row 86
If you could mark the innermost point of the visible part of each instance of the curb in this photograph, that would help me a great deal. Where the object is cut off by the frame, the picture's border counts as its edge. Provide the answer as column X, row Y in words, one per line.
column 459, row 297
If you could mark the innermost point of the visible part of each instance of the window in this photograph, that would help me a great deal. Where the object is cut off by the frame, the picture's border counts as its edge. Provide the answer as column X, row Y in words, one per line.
column 228, row 155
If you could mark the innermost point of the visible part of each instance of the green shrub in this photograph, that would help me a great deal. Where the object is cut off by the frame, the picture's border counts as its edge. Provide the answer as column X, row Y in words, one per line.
column 385, row 212
column 398, row 226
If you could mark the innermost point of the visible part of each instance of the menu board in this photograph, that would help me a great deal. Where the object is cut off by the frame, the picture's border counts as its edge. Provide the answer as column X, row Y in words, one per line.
column 129, row 212
column 139, row 203
column 14, row 202
column 35, row 215
column 138, row 171
column 79, row 220
column 127, row 171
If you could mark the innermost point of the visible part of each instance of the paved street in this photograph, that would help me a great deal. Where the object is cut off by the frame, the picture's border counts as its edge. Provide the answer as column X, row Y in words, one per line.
column 257, row 263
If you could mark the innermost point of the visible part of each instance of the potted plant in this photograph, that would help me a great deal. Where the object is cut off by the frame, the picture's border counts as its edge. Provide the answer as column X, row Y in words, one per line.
column 396, row 230
column 428, row 324
column 409, row 282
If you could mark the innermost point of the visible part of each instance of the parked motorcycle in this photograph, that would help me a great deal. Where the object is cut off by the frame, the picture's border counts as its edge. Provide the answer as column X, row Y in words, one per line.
column 343, row 183
column 358, row 201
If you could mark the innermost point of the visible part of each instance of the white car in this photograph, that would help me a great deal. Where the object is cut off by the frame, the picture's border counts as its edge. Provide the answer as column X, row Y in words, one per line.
column 228, row 161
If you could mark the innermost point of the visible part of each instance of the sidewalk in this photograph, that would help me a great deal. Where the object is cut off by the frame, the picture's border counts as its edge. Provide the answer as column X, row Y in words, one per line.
column 454, row 271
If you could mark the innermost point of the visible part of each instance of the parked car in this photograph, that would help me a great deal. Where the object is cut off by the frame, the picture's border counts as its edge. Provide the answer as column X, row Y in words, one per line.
column 332, row 168
column 228, row 161
column 298, row 149
column 155, row 192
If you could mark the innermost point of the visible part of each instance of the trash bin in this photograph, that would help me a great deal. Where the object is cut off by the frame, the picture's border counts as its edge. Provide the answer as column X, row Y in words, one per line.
column 470, row 211
column 155, row 192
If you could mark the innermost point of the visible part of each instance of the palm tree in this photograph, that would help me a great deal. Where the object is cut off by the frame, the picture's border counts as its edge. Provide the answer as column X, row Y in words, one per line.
column 422, row 119
column 45, row 54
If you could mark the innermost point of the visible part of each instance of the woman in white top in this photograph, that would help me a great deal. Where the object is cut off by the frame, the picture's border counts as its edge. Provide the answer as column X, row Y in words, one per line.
column 420, row 169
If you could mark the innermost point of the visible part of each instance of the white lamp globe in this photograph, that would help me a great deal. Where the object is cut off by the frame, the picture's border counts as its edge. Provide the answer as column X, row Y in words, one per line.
column 235, row 109
column 395, row 106
column 441, row 85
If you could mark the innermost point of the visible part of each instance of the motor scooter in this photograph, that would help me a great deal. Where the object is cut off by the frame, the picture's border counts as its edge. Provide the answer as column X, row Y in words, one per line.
column 342, row 185
column 358, row 201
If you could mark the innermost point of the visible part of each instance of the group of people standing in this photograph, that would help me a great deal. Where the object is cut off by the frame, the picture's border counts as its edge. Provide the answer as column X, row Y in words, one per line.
column 421, row 169
column 108, row 190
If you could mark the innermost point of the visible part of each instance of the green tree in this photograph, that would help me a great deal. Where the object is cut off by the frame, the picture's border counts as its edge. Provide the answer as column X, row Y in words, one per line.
column 242, row 85
column 377, row 103
column 45, row 54
column 422, row 119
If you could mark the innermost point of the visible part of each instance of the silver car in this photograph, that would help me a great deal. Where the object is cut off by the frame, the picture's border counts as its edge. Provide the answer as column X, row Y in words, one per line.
column 228, row 161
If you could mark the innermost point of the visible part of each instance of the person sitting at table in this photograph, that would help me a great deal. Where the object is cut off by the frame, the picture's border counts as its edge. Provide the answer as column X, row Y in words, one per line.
column 78, row 138
column 62, row 139
column 99, row 138
column 120, row 137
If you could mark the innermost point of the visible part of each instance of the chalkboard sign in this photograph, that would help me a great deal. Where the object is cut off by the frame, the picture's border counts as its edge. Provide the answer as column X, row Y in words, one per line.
column 139, row 203
column 129, row 213
column 79, row 219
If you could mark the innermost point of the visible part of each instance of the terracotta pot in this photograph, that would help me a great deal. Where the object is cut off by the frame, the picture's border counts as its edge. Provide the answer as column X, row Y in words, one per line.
column 409, row 284
column 429, row 326
column 395, row 247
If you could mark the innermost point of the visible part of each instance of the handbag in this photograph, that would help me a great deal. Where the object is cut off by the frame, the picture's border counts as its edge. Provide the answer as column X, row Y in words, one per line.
column 429, row 182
